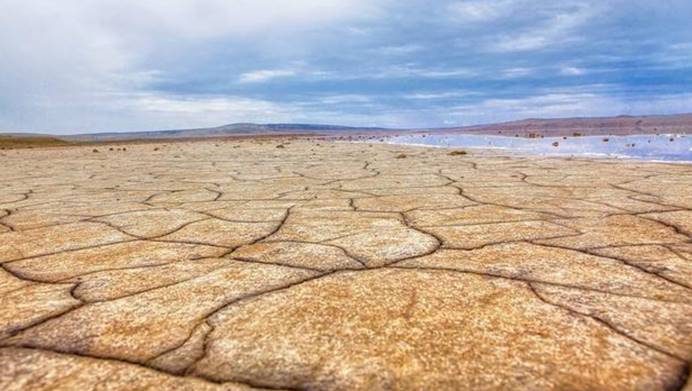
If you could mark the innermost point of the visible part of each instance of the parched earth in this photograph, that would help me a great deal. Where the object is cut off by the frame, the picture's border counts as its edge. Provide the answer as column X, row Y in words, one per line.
column 317, row 265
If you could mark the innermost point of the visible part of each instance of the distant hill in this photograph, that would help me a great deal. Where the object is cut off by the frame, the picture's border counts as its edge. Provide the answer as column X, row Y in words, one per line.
column 18, row 140
column 620, row 125
column 239, row 129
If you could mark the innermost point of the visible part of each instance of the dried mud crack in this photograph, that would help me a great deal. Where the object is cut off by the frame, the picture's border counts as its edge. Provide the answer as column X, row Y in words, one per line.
column 320, row 265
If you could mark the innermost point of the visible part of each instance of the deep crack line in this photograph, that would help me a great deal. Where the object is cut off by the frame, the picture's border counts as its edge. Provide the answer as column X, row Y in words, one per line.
column 624, row 261
column 605, row 323
column 116, row 360
column 207, row 316
column 397, row 265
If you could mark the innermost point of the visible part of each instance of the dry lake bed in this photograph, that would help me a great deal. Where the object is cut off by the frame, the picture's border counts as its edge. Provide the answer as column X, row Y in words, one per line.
column 296, row 264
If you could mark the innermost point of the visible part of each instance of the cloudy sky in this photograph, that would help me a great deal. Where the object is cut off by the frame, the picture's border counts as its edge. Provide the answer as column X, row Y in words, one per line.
column 122, row 65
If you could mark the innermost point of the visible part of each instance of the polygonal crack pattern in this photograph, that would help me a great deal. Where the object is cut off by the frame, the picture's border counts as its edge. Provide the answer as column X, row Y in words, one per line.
column 322, row 265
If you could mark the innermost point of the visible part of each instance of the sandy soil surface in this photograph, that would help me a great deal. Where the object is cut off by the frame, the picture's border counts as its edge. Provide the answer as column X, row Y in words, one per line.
column 319, row 265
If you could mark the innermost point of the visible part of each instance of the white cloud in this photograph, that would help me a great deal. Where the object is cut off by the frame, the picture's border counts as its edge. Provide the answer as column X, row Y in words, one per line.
column 399, row 71
column 478, row 11
column 561, row 103
column 572, row 71
column 204, row 105
column 439, row 95
column 398, row 50
column 65, row 62
column 264, row 75
column 201, row 19
column 344, row 98
column 560, row 29
column 514, row 73
column 170, row 111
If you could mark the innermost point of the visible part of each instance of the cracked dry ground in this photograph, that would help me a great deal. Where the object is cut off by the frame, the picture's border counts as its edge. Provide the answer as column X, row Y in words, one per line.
column 320, row 265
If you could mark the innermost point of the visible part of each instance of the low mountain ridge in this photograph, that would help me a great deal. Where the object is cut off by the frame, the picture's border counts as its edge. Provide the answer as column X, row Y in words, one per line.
column 620, row 125
column 237, row 129
column 584, row 126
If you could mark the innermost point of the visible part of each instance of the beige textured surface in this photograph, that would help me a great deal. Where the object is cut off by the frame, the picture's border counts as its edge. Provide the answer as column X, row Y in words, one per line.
column 232, row 265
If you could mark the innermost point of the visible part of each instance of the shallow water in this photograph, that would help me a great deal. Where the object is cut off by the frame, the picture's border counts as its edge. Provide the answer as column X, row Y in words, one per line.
column 643, row 147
